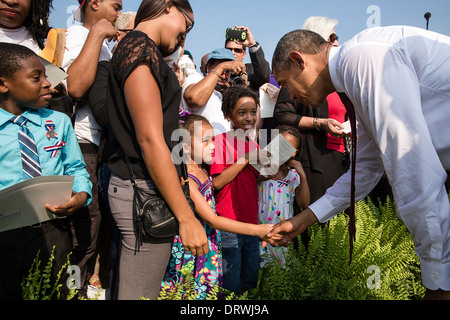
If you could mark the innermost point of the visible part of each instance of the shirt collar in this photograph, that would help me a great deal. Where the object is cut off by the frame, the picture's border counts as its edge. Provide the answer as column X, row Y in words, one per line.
column 333, row 58
column 33, row 115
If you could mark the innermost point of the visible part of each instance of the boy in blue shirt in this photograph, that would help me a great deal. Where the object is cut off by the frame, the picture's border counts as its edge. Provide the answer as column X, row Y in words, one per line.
column 24, row 94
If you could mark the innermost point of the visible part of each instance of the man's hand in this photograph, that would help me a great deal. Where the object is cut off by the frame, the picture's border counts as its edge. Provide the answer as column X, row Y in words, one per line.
column 77, row 201
column 105, row 29
column 249, row 41
column 291, row 228
column 233, row 67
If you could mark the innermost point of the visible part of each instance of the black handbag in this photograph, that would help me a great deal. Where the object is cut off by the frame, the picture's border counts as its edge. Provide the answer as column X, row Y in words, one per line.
column 151, row 215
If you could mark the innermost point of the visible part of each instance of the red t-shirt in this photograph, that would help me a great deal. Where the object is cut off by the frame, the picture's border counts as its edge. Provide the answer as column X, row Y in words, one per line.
column 337, row 111
column 238, row 200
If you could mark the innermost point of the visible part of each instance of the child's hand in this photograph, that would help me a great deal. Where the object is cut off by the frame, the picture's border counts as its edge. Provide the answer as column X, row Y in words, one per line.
column 264, row 229
column 63, row 210
column 294, row 164
column 258, row 156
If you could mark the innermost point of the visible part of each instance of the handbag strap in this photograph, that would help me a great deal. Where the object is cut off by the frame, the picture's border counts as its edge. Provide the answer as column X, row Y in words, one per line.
column 130, row 170
column 133, row 180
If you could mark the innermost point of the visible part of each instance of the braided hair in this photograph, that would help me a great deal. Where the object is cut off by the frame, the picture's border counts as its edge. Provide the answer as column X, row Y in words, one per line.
column 37, row 21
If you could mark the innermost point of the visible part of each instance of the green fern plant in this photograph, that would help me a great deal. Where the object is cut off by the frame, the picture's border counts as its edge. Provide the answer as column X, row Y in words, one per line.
column 384, row 265
column 186, row 291
column 37, row 284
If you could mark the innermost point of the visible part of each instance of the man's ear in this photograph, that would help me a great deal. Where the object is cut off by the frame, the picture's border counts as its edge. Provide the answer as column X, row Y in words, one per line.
column 297, row 59
column 94, row 4
column 3, row 86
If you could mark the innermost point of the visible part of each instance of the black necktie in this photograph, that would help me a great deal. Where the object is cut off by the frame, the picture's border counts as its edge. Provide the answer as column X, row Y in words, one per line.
column 351, row 115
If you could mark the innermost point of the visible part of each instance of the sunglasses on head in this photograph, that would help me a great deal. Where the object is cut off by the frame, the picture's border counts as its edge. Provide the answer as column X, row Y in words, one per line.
column 190, row 26
column 333, row 37
column 237, row 50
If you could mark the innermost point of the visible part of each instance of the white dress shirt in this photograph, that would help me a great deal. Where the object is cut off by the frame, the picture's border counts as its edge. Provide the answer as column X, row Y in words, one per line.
column 398, row 79
column 212, row 110
column 87, row 129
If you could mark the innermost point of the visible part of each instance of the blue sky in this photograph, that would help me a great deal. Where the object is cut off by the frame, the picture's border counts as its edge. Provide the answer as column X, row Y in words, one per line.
column 270, row 20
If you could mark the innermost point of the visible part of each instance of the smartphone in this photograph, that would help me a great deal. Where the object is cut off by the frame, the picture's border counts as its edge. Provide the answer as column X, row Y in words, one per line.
column 234, row 34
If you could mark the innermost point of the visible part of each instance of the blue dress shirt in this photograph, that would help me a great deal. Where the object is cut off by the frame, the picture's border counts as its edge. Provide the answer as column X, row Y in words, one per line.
column 67, row 161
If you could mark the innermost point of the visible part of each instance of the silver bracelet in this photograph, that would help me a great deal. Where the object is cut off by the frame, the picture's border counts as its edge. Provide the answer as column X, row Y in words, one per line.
column 215, row 72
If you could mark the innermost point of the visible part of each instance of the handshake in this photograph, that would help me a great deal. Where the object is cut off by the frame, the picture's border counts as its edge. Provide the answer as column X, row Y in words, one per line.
column 283, row 232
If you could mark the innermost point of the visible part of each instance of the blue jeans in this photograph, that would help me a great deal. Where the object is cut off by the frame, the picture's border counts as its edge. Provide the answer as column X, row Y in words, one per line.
column 240, row 255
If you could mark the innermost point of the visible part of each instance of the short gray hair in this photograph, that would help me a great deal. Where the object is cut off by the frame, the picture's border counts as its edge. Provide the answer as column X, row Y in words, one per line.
column 303, row 41
column 124, row 20
column 322, row 25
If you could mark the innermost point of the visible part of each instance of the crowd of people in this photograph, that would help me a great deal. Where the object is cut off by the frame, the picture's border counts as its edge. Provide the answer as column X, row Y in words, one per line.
column 125, row 110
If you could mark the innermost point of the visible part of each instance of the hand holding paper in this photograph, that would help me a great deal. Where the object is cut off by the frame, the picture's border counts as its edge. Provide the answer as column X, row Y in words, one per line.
column 268, row 95
column 347, row 129
column 281, row 151
column 63, row 210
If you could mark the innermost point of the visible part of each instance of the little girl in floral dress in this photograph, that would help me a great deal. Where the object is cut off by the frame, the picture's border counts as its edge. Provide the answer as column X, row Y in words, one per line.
column 207, row 269
column 276, row 195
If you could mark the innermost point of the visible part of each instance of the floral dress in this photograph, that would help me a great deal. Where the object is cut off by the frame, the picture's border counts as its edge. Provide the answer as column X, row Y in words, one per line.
column 207, row 269
column 275, row 204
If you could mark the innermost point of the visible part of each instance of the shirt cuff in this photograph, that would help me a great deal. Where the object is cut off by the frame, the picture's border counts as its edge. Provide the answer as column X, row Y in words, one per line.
column 435, row 274
column 254, row 48
column 86, row 187
column 323, row 209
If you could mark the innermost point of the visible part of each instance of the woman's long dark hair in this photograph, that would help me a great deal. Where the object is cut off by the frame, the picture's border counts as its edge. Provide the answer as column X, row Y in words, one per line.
column 150, row 9
column 39, row 13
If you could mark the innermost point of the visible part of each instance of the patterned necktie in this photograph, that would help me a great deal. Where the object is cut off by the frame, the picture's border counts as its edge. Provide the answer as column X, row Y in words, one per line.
column 30, row 159
column 351, row 115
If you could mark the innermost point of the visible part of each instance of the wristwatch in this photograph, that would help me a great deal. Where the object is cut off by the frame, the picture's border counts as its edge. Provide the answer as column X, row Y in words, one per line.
column 315, row 124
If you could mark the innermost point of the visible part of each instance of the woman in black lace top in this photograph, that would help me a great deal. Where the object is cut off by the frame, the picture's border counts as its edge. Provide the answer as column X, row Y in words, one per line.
column 145, row 97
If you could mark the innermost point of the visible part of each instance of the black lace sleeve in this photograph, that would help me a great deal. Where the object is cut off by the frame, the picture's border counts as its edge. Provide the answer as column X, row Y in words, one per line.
column 134, row 48
column 286, row 111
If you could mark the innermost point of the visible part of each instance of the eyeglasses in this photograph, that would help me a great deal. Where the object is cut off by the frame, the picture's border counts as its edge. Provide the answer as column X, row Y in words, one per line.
column 333, row 37
column 125, row 30
column 190, row 26
column 237, row 50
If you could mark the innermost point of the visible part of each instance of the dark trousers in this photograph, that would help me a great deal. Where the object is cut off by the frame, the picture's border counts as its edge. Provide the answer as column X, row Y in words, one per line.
column 85, row 223
column 19, row 247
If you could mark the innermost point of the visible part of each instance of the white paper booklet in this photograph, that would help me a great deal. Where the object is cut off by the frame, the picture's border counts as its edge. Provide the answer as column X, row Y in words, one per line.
column 54, row 74
column 23, row 204
column 281, row 151
column 267, row 104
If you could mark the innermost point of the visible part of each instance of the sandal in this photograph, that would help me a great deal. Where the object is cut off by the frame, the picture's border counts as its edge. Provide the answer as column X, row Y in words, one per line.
column 95, row 281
